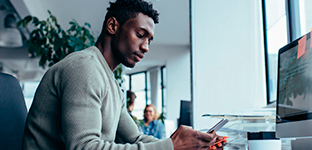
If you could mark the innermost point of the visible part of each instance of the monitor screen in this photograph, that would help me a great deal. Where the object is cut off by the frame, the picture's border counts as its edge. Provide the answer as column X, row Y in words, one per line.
column 185, row 113
column 294, row 89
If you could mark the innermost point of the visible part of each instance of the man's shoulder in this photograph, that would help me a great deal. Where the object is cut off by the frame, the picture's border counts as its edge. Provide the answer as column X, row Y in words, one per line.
column 82, row 54
column 79, row 63
column 81, row 58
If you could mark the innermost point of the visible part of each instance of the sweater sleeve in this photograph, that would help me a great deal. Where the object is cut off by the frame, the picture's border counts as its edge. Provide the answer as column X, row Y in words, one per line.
column 82, row 118
column 128, row 133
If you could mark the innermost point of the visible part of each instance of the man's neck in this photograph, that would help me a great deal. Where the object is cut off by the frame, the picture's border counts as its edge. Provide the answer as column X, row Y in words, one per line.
column 103, row 44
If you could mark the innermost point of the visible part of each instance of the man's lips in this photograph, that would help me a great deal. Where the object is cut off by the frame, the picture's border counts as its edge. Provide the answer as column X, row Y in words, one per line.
column 138, row 56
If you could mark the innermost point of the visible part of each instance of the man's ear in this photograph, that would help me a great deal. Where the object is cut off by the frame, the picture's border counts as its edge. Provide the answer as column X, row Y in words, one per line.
column 112, row 25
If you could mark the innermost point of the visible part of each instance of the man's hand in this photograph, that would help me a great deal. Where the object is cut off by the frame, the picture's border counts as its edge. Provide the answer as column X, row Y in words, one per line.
column 218, row 145
column 185, row 138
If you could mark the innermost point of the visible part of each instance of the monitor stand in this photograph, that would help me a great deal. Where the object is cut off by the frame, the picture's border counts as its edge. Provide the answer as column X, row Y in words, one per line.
column 301, row 143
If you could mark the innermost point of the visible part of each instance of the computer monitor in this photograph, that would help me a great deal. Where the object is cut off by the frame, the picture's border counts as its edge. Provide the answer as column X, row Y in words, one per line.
column 294, row 89
column 185, row 113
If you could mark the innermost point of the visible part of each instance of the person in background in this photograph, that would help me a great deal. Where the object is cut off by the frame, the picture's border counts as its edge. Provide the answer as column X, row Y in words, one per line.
column 130, row 102
column 150, row 125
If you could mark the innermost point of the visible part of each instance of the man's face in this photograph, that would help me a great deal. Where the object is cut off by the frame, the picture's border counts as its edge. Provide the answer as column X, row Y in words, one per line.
column 132, row 40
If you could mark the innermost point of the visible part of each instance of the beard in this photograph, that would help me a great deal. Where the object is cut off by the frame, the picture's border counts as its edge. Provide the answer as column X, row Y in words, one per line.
column 121, row 57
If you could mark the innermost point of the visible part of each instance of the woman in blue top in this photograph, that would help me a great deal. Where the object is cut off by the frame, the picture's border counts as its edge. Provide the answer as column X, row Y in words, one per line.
column 150, row 125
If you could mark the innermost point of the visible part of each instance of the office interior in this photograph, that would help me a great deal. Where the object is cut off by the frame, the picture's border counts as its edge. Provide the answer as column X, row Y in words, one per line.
column 219, row 55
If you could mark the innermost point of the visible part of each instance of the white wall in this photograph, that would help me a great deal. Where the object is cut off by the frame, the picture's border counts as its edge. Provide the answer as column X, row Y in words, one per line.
column 66, row 11
column 227, row 58
column 178, row 82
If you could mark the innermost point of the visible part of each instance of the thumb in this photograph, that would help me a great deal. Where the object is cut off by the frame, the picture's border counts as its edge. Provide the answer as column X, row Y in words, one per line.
column 207, row 136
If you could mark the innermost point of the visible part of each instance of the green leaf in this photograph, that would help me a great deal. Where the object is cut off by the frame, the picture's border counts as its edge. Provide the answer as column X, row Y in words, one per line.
column 55, row 58
column 27, row 19
column 51, row 63
column 30, row 48
column 42, row 25
column 41, row 34
column 49, row 52
column 59, row 30
column 33, row 34
column 42, row 61
column 54, row 19
column 87, row 24
column 72, row 28
column 35, row 21
column 19, row 23
column 72, row 44
column 87, row 32
column 72, row 23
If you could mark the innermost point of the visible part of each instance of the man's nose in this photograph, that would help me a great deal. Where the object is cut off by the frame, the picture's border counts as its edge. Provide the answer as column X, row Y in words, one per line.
column 145, row 46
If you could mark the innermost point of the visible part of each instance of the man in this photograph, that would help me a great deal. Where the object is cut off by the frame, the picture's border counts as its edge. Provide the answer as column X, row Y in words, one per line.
column 78, row 103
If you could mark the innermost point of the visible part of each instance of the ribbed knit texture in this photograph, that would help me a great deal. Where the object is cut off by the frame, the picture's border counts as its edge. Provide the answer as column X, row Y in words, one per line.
column 79, row 105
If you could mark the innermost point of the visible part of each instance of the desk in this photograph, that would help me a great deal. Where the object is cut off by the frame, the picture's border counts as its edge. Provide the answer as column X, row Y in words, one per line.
column 238, row 139
column 252, row 120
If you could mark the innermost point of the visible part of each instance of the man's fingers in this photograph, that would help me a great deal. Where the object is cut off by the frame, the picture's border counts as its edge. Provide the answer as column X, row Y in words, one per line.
column 206, row 139
column 187, row 138
column 187, row 127
column 206, row 136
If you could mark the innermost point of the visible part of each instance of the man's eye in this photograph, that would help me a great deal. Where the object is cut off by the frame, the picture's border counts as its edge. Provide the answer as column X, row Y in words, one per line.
column 139, row 35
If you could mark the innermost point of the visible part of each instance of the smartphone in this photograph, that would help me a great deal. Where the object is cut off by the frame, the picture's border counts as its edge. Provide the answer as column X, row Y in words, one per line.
column 218, row 125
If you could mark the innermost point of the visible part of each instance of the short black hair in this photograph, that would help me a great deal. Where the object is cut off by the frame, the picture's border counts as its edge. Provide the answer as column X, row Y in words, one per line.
column 124, row 10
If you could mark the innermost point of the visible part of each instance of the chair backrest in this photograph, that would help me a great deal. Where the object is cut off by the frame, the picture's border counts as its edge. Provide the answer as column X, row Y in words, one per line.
column 13, row 113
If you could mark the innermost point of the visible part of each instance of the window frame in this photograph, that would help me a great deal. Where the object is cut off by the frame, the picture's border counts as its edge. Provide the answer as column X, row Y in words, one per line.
column 293, row 32
column 162, row 85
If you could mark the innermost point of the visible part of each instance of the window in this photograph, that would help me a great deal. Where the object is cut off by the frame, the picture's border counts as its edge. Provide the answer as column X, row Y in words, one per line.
column 275, row 29
column 284, row 21
column 139, row 83
column 305, row 19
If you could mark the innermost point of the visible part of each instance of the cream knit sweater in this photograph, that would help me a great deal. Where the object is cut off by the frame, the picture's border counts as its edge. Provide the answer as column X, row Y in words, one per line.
column 79, row 105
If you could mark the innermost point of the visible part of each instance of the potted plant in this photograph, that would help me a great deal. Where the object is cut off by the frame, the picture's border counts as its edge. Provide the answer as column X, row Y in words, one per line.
column 51, row 43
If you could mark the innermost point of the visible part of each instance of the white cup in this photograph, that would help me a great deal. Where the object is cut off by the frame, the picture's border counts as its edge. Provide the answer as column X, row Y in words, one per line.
column 264, row 144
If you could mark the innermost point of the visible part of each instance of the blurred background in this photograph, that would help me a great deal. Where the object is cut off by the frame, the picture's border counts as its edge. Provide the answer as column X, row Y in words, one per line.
column 218, row 55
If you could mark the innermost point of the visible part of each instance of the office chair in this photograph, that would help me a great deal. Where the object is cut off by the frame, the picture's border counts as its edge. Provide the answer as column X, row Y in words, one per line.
column 13, row 113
